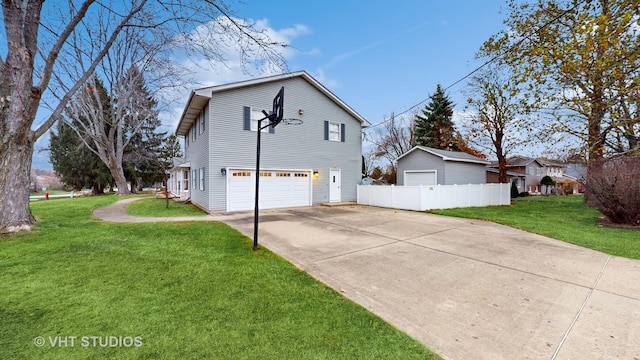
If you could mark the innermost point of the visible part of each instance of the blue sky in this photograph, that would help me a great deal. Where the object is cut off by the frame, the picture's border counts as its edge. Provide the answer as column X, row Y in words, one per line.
column 379, row 57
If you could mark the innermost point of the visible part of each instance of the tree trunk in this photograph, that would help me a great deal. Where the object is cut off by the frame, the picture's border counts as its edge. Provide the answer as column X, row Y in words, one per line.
column 502, row 160
column 118, row 176
column 15, row 162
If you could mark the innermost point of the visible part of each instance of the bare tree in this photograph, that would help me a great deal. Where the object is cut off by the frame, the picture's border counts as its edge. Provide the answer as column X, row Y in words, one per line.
column 496, row 121
column 393, row 139
column 66, row 41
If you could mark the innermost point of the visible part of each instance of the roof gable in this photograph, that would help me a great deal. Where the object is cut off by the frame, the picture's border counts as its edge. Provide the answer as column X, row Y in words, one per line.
column 447, row 155
column 199, row 98
column 521, row 161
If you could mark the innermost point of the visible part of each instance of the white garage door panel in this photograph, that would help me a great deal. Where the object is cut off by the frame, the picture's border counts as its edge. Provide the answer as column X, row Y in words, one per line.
column 278, row 188
column 417, row 178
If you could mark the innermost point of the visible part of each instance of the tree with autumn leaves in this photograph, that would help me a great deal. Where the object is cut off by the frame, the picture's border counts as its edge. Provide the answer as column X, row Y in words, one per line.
column 578, row 61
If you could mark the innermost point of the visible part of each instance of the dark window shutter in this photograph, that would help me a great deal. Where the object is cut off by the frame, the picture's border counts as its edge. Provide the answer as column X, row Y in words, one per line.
column 326, row 130
column 342, row 132
column 247, row 118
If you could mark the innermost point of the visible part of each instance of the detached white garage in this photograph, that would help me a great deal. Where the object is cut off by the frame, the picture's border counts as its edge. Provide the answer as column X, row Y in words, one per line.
column 278, row 189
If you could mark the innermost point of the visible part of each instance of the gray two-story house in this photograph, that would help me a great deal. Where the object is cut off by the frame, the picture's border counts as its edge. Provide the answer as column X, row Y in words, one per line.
column 317, row 161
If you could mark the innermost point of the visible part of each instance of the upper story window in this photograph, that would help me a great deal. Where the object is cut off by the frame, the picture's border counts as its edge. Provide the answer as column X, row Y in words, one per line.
column 201, row 122
column 530, row 170
column 334, row 131
column 193, row 132
column 251, row 118
column 256, row 115
column 537, row 171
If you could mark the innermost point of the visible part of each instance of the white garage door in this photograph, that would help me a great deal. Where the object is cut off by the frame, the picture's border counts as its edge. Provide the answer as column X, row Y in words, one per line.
column 278, row 188
column 415, row 178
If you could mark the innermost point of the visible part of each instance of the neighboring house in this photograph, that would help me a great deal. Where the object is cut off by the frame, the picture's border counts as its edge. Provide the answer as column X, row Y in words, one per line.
column 553, row 169
column 493, row 175
column 532, row 170
column 428, row 166
column 317, row 161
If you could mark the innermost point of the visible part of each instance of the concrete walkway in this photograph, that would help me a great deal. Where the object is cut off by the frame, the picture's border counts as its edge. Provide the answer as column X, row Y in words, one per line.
column 468, row 289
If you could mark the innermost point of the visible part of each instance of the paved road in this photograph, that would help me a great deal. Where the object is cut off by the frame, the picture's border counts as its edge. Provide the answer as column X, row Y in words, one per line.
column 468, row 289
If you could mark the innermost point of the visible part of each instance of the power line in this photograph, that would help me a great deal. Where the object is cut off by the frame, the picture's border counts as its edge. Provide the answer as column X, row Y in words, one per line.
column 494, row 58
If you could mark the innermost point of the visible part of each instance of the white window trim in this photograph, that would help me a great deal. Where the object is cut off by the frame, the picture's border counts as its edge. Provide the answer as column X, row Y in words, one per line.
column 256, row 115
column 338, row 133
column 202, row 178
column 201, row 122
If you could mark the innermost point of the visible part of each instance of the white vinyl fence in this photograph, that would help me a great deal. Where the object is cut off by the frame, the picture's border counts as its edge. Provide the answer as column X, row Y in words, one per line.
column 434, row 197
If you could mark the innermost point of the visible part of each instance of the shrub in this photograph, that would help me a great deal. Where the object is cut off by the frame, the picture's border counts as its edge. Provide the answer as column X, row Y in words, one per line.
column 523, row 194
column 613, row 187
column 514, row 190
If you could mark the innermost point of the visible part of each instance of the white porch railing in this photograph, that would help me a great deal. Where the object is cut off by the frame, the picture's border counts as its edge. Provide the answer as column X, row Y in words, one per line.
column 434, row 197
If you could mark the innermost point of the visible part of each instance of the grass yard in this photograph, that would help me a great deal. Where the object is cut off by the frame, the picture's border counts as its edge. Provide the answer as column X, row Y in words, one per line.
column 565, row 218
column 157, row 207
column 188, row 290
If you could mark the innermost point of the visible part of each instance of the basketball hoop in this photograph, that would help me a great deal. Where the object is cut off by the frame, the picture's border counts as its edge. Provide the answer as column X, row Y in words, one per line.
column 292, row 121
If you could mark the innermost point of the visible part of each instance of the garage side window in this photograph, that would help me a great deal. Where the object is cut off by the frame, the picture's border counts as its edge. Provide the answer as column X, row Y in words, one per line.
column 251, row 117
column 334, row 131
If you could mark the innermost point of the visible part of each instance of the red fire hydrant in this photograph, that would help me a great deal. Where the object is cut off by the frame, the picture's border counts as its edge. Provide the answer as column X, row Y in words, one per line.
column 46, row 195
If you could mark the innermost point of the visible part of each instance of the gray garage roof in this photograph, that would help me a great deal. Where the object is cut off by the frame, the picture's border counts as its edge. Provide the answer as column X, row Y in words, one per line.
column 447, row 155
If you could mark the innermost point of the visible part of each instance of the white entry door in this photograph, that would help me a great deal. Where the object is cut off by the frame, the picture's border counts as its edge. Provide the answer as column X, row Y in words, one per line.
column 335, row 184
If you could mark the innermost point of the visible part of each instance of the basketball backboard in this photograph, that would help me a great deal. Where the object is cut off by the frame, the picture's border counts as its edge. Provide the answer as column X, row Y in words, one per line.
column 278, row 108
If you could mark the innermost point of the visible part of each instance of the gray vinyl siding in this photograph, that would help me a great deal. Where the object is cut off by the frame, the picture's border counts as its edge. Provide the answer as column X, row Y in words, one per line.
column 462, row 173
column 197, row 154
column 448, row 172
column 420, row 160
column 300, row 147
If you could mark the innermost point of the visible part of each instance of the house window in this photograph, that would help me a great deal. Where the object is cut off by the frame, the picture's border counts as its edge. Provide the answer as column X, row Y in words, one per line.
column 186, row 141
column 194, row 177
column 193, row 132
column 185, row 179
column 256, row 115
column 334, row 131
column 537, row 171
column 202, row 178
column 201, row 120
column 530, row 170
column 252, row 117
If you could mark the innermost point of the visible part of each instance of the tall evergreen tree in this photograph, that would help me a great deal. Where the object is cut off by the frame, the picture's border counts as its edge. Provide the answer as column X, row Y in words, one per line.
column 434, row 128
column 74, row 163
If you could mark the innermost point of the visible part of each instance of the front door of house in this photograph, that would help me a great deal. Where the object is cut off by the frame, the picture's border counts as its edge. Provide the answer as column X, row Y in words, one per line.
column 335, row 183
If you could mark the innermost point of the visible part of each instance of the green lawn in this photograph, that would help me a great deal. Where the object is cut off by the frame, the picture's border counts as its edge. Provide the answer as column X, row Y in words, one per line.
column 565, row 218
column 157, row 207
column 189, row 290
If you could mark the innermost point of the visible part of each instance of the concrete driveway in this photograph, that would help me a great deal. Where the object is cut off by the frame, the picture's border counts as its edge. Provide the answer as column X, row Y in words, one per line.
column 468, row 289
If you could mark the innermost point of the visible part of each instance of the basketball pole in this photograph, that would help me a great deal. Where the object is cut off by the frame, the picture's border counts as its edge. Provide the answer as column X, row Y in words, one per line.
column 274, row 119
column 255, row 211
